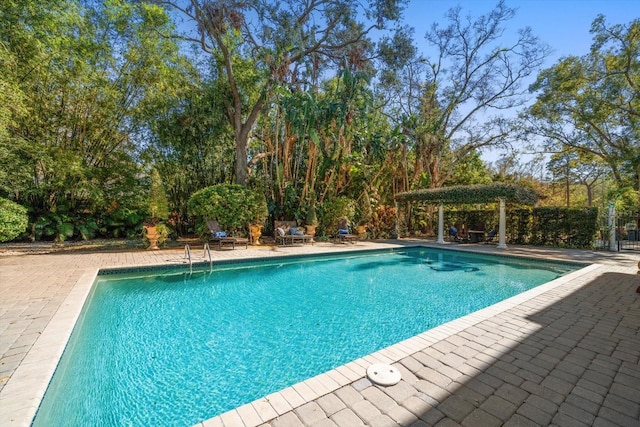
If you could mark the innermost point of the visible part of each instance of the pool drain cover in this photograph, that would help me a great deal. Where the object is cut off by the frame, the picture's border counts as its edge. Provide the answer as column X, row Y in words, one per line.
column 383, row 374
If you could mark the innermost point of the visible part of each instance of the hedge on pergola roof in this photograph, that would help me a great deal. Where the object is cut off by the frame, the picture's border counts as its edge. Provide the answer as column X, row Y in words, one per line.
column 469, row 194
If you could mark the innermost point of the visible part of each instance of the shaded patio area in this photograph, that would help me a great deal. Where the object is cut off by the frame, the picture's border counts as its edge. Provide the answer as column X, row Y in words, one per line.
column 568, row 357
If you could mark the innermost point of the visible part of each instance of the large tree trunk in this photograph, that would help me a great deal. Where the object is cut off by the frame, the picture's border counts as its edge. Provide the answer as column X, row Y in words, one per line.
column 242, row 130
column 242, row 175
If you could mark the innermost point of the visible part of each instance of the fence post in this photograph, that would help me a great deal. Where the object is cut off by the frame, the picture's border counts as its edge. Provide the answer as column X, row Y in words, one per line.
column 613, row 246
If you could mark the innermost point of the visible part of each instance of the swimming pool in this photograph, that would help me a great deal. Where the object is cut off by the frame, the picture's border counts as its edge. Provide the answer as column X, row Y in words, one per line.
column 176, row 349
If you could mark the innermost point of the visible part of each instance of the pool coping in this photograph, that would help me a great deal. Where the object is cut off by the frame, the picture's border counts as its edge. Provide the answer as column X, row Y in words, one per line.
column 42, row 360
column 199, row 266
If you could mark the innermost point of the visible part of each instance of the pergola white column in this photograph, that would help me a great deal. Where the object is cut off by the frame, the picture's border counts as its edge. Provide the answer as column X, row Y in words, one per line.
column 441, row 224
column 502, row 226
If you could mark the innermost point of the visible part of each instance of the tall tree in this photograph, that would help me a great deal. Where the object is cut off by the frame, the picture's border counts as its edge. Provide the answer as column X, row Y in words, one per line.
column 577, row 168
column 86, row 73
column 591, row 104
column 260, row 43
column 452, row 102
column 191, row 143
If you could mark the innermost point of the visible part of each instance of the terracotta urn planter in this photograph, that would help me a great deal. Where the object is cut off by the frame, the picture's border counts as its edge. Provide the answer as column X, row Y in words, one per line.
column 311, row 230
column 361, row 230
column 256, row 232
column 151, row 232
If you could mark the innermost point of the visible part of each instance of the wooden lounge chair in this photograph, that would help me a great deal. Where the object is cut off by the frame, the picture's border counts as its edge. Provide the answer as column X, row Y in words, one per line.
column 344, row 235
column 222, row 238
column 287, row 233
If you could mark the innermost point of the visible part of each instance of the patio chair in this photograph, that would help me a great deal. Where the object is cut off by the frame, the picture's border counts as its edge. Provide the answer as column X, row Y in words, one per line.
column 344, row 235
column 221, row 237
column 288, row 233
column 462, row 236
column 492, row 235
column 453, row 233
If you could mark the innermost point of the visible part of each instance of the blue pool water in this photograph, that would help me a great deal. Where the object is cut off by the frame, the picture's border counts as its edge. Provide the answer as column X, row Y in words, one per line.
column 175, row 349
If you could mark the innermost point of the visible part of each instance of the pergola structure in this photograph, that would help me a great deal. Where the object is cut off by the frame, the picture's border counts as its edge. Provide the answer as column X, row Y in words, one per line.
column 470, row 194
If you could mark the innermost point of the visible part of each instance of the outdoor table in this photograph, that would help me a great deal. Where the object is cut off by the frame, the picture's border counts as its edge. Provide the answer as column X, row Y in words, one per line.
column 476, row 236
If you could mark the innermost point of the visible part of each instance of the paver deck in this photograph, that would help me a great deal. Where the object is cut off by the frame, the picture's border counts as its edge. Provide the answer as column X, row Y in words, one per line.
column 566, row 353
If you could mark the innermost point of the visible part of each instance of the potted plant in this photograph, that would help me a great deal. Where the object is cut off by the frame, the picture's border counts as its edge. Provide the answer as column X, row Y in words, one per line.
column 155, row 232
column 257, row 205
column 311, row 222
column 365, row 215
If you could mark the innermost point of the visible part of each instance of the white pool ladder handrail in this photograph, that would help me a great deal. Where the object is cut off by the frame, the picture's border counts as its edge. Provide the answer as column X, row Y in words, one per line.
column 207, row 252
column 187, row 254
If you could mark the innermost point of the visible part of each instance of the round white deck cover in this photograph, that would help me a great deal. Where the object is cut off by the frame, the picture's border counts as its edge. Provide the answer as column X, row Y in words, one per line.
column 383, row 374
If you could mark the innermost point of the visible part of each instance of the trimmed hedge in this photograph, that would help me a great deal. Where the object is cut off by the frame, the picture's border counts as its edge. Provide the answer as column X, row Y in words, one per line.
column 470, row 194
column 13, row 220
column 562, row 227
column 558, row 227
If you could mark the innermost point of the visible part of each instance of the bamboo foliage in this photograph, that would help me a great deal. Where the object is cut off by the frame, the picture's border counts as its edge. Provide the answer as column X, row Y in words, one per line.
column 313, row 135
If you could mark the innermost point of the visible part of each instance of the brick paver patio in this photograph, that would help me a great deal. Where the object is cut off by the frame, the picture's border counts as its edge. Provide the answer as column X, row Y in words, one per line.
column 566, row 353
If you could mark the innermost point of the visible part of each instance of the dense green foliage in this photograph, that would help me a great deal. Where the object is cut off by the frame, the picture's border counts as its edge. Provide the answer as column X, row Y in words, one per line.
column 331, row 211
column 575, row 228
column 308, row 111
column 157, row 199
column 85, row 77
column 191, row 146
column 472, row 194
column 232, row 205
column 255, row 61
column 591, row 104
column 13, row 220
column 558, row 226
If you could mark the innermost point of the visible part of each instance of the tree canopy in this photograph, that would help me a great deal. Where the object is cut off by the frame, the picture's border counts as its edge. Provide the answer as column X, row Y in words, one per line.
column 259, row 45
column 591, row 104
column 449, row 105
column 326, row 107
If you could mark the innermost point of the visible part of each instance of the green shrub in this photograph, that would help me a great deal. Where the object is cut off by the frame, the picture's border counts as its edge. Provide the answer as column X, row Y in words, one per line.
column 547, row 226
column 13, row 220
column 63, row 227
column 332, row 210
column 383, row 222
column 157, row 199
column 312, row 217
column 122, row 221
column 519, row 225
column 564, row 227
column 54, row 226
column 232, row 205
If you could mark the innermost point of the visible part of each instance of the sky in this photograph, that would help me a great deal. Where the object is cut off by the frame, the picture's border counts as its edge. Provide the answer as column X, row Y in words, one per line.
column 562, row 24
